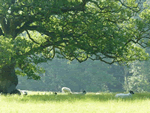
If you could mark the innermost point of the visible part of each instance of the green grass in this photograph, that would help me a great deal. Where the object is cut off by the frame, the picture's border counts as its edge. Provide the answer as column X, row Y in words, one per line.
column 89, row 103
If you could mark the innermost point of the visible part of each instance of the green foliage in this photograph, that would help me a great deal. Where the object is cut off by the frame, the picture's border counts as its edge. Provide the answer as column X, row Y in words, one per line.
column 106, row 30
column 6, row 50
column 140, row 79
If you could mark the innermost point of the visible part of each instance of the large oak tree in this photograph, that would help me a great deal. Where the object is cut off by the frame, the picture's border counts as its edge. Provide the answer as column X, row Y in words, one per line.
column 34, row 31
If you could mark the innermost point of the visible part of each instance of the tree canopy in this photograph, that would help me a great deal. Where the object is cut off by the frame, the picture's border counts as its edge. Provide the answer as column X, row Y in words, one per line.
column 34, row 31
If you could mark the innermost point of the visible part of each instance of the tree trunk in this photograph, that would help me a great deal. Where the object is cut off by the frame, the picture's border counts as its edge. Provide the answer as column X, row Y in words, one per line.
column 8, row 80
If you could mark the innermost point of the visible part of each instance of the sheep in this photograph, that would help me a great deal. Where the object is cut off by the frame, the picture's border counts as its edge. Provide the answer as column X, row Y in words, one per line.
column 83, row 93
column 97, row 93
column 55, row 93
column 122, row 95
column 24, row 93
column 66, row 90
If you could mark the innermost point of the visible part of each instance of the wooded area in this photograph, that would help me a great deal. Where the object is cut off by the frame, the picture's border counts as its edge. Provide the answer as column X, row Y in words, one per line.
column 92, row 76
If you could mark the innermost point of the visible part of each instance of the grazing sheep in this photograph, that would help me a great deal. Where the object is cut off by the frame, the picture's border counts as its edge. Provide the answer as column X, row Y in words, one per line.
column 66, row 90
column 122, row 95
column 55, row 93
column 24, row 93
column 84, row 92
column 76, row 93
column 97, row 93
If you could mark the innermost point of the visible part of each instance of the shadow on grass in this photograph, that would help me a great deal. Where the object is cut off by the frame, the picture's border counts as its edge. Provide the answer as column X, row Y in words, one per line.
column 74, row 98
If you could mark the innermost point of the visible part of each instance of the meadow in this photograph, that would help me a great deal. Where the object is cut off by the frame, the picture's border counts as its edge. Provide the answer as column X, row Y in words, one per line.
column 62, row 103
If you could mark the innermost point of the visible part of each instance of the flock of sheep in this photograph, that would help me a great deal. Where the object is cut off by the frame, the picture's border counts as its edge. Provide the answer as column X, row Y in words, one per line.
column 68, row 90
column 121, row 95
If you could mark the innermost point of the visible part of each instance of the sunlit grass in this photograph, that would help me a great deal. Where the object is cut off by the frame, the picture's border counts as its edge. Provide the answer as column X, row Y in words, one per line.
column 61, row 103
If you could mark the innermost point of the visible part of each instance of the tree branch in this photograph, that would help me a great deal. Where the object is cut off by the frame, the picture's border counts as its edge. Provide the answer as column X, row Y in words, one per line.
column 4, row 25
column 98, row 5
column 31, row 38
column 35, row 17
column 131, row 8
column 1, row 33
column 79, row 7
column 101, row 59
column 24, row 27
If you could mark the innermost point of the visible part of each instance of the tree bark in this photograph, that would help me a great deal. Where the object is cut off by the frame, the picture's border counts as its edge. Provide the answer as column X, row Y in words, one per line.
column 8, row 80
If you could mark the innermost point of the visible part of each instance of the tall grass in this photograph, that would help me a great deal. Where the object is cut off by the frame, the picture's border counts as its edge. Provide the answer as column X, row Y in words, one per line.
column 89, row 103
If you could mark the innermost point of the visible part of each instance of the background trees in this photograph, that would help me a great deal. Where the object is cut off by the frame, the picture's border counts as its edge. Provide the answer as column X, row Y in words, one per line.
column 91, row 76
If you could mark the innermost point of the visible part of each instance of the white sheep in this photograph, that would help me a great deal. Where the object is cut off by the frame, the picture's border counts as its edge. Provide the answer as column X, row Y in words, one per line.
column 79, row 93
column 97, row 93
column 24, row 93
column 122, row 95
column 66, row 90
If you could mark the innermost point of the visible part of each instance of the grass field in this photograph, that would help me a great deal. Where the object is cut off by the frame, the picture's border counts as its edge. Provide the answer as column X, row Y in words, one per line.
column 89, row 103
